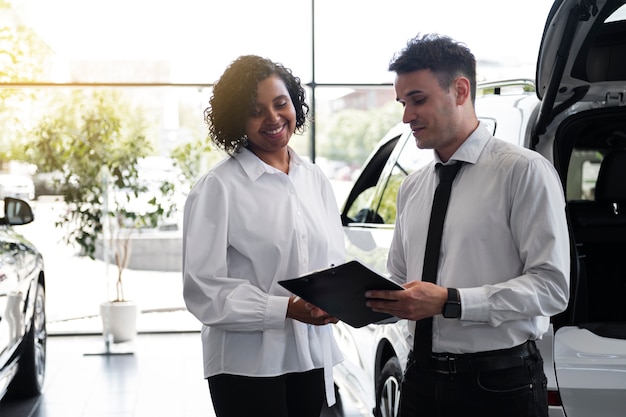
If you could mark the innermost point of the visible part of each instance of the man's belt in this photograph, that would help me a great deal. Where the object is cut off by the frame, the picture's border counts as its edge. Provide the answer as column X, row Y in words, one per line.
column 450, row 363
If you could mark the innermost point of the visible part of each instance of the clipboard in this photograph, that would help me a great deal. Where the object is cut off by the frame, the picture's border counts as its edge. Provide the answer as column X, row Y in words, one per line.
column 340, row 291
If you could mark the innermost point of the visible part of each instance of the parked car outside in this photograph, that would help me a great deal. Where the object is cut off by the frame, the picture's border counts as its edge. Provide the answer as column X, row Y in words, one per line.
column 23, row 333
column 161, row 182
column 576, row 118
column 17, row 186
column 47, row 183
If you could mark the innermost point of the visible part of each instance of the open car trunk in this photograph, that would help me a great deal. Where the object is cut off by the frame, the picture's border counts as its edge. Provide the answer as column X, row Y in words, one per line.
column 590, row 338
column 581, row 73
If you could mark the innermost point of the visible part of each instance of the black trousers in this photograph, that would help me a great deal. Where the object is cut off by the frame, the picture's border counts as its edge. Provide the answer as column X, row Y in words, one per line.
column 290, row 395
column 438, row 391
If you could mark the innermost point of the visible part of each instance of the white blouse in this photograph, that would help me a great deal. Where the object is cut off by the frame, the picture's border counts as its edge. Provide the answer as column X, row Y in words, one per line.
column 246, row 226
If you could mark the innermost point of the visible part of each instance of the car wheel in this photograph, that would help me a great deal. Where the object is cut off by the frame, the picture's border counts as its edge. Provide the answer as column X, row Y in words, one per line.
column 388, row 389
column 29, row 378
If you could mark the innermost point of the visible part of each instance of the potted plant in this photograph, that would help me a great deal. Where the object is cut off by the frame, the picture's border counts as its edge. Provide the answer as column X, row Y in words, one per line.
column 95, row 140
column 119, row 315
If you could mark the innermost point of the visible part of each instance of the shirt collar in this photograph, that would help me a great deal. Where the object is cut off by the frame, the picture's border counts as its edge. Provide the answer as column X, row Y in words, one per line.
column 471, row 149
column 255, row 167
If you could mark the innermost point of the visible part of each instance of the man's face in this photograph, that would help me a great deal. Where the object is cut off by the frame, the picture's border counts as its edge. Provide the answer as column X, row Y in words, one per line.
column 430, row 110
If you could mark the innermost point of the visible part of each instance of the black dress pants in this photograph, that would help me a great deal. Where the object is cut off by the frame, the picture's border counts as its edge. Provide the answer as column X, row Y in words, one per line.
column 518, row 391
column 290, row 395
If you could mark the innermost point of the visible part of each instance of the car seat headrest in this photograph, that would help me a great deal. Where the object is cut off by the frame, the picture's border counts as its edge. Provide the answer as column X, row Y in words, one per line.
column 611, row 182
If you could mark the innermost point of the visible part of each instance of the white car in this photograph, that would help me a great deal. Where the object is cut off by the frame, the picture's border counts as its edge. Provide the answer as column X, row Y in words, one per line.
column 576, row 118
column 17, row 186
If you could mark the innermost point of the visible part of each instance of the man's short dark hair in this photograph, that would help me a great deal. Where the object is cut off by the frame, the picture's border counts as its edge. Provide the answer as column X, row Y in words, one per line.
column 445, row 57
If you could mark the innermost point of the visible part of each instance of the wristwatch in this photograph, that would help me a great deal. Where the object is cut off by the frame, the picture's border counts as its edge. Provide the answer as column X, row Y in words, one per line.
column 452, row 307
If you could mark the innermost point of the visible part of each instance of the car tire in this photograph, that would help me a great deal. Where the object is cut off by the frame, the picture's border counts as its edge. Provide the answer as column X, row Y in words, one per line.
column 28, row 381
column 388, row 389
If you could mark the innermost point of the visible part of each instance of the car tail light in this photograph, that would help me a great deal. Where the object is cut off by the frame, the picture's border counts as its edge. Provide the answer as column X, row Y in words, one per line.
column 554, row 398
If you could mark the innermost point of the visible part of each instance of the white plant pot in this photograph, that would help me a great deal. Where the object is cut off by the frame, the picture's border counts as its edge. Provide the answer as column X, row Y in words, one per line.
column 119, row 320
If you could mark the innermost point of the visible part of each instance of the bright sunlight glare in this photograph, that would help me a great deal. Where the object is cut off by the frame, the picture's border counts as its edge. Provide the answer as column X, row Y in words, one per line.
column 354, row 39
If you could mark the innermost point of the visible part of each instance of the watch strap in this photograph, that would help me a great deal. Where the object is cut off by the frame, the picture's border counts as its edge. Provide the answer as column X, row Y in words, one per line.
column 452, row 306
column 453, row 295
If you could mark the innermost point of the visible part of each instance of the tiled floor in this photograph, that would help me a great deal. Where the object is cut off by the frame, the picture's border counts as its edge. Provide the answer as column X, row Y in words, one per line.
column 155, row 375
column 158, row 375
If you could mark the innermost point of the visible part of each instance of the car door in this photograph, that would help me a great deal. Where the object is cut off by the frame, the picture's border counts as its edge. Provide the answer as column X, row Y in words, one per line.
column 369, row 214
column 368, row 217
column 581, row 73
column 11, row 319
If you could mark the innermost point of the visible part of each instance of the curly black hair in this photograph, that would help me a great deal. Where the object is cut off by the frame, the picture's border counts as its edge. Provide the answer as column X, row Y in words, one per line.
column 234, row 94
column 442, row 55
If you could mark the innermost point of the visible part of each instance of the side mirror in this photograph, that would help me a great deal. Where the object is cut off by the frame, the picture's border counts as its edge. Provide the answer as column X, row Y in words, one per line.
column 16, row 212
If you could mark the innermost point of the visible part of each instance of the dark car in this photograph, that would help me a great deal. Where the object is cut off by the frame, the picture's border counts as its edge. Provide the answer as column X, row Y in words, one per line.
column 47, row 183
column 576, row 118
column 22, row 307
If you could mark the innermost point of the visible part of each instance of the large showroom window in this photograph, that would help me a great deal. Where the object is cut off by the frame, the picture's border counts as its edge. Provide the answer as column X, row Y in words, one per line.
column 77, row 76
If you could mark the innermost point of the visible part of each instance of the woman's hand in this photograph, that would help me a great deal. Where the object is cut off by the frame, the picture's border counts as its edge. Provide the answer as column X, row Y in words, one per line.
column 305, row 312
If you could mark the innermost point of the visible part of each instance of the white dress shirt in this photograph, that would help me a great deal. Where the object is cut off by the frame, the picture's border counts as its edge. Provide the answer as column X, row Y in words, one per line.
column 246, row 226
column 505, row 244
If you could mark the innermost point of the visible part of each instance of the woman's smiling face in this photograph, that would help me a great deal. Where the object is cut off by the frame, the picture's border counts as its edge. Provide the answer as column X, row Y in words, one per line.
column 272, row 119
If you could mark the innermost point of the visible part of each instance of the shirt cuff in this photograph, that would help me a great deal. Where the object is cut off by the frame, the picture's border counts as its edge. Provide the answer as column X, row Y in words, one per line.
column 474, row 304
column 276, row 312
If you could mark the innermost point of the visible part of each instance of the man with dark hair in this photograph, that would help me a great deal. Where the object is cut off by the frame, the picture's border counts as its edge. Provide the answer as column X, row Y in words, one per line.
column 483, row 292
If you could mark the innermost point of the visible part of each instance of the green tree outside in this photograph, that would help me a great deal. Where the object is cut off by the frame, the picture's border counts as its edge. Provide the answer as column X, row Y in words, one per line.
column 352, row 134
column 95, row 139
column 24, row 58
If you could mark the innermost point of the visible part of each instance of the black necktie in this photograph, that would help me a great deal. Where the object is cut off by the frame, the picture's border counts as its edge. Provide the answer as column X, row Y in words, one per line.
column 422, row 342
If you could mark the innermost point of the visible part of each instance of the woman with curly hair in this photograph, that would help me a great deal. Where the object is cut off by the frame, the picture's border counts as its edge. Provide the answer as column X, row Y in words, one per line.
column 261, row 215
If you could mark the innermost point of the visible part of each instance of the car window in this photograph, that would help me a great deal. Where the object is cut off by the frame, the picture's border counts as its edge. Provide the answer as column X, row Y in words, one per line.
column 377, row 204
column 582, row 174
column 360, row 205
column 409, row 159
column 359, row 210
